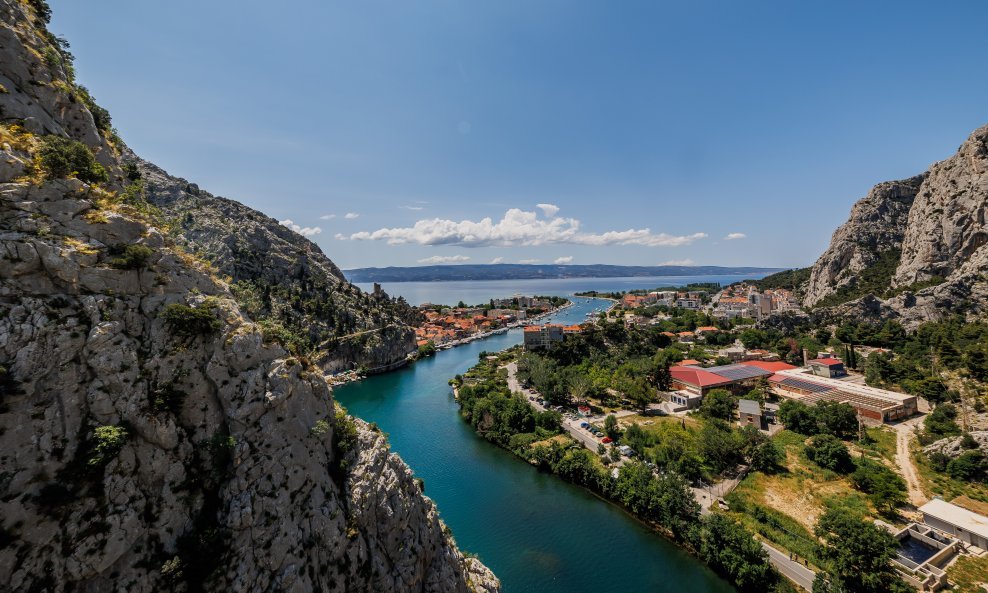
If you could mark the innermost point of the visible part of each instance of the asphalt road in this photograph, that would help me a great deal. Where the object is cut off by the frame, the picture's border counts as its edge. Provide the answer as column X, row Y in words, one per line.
column 791, row 569
column 572, row 426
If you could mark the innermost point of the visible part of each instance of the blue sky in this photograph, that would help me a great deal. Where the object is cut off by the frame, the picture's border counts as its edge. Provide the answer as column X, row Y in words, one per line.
column 648, row 132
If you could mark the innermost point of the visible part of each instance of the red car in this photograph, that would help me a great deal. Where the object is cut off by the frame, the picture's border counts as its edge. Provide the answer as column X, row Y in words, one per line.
column 606, row 440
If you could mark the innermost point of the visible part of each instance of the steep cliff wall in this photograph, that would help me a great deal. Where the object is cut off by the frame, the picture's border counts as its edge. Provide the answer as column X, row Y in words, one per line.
column 912, row 249
column 152, row 436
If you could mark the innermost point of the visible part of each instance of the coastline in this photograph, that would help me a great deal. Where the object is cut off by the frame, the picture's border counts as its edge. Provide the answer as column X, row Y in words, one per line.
column 351, row 376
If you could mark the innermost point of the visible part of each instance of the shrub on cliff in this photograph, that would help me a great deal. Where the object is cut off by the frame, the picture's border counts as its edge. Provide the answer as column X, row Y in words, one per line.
column 130, row 257
column 61, row 157
column 191, row 322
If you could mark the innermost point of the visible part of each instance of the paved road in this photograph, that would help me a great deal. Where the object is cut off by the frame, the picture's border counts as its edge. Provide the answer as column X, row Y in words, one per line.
column 792, row 570
column 572, row 426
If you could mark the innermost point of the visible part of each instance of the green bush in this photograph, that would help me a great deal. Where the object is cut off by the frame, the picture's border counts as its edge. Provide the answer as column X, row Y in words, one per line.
column 828, row 452
column 61, row 157
column 344, row 441
column 106, row 443
column 130, row 257
column 191, row 322
column 41, row 7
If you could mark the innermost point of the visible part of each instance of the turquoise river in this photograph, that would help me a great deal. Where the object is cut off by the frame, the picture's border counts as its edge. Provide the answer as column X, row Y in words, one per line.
column 536, row 532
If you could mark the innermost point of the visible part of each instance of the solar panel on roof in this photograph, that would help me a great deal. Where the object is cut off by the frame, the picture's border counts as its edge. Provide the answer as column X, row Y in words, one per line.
column 806, row 385
column 738, row 372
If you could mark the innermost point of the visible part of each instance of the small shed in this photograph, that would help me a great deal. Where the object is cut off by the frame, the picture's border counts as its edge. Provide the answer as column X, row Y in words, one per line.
column 750, row 413
column 827, row 367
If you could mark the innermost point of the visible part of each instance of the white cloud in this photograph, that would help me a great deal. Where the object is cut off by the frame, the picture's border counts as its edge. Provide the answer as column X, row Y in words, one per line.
column 327, row 217
column 304, row 231
column 497, row 260
column 518, row 228
column 564, row 260
column 340, row 237
column 350, row 215
column 528, row 261
column 550, row 210
column 416, row 208
column 678, row 262
column 733, row 236
column 444, row 259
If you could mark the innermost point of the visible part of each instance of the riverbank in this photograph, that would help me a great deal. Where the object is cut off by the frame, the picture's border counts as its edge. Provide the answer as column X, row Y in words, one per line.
column 662, row 501
column 535, row 531
column 345, row 377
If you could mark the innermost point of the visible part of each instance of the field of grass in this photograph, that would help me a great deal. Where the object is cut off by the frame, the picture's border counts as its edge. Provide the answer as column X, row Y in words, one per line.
column 881, row 445
column 967, row 574
column 783, row 507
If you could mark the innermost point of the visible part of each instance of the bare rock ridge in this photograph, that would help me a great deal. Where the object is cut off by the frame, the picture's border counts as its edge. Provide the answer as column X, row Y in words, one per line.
column 912, row 249
column 282, row 277
column 153, row 435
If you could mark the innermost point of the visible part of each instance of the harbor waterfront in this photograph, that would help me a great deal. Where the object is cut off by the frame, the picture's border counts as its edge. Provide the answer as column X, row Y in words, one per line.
column 537, row 532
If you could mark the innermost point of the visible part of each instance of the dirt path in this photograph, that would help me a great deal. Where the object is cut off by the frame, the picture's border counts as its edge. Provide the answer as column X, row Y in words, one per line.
column 905, row 462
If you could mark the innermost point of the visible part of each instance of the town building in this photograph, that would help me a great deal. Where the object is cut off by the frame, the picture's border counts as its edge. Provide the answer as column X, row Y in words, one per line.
column 750, row 414
column 827, row 367
column 956, row 521
column 871, row 403
column 733, row 377
column 537, row 337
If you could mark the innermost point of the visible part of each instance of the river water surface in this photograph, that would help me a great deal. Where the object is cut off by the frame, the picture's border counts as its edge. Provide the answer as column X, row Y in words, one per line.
column 536, row 532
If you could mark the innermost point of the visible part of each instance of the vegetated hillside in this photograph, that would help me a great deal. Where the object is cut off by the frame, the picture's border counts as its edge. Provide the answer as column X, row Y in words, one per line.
column 152, row 436
column 795, row 280
column 534, row 272
column 282, row 278
column 912, row 249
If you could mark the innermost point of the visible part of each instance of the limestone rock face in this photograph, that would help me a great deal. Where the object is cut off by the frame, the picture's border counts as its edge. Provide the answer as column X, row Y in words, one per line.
column 876, row 225
column 273, row 267
column 921, row 240
column 151, row 437
column 952, row 446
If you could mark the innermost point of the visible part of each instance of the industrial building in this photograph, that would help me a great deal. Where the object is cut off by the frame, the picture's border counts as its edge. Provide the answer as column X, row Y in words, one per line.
column 872, row 403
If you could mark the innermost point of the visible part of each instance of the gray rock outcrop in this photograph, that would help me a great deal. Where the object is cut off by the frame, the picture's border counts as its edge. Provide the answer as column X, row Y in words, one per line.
column 152, row 436
column 953, row 446
column 279, row 275
column 916, row 248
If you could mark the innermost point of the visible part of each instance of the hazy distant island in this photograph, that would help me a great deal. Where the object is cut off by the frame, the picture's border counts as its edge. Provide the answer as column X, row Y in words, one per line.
column 442, row 273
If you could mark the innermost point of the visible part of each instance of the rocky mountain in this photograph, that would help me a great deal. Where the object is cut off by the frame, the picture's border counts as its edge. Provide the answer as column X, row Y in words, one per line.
column 282, row 278
column 153, row 435
column 912, row 249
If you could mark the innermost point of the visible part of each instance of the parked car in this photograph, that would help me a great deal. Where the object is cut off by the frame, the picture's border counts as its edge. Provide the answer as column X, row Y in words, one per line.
column 607, row 440
column 584, row 425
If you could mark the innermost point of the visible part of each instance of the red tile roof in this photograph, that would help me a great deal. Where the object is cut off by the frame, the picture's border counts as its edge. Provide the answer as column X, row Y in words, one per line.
column 707, row 328
column 696, row 377
column 826, row 361
column 773, row 367
column 688, row 362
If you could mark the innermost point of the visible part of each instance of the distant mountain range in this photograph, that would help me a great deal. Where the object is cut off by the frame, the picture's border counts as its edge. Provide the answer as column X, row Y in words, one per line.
column 535, row 271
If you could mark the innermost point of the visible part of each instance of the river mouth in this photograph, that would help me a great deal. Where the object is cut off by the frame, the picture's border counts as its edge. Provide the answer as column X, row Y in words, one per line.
column 535, row 531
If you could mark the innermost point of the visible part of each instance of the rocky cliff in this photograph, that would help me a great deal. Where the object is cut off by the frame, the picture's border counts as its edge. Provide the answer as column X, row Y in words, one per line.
column 281, row 277
column 912, row 249
column 153, row 436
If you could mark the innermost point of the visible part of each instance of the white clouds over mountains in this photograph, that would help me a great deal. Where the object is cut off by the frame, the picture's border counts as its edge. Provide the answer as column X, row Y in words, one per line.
column 444, row 259
column 519, row 228
column 304, row 231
